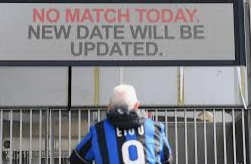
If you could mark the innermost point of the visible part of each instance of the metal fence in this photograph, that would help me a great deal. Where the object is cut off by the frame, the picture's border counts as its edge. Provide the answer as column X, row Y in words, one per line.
column 197, row 135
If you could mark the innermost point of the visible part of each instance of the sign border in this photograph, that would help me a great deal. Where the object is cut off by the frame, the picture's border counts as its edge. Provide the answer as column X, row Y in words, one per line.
column 238, row 35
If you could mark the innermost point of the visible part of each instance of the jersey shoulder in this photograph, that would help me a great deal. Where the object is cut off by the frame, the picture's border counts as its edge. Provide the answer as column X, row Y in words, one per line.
column 102, row 125
column 156, row 124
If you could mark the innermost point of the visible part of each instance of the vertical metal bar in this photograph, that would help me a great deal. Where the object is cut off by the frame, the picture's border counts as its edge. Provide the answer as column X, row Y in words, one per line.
column 195, row 137
column 79, row 125
column 89, row 119
column 1, row 136
column 224, row 136
column 69, row 139
column 69, row 102
column 96, row 85
column 166, row 121
column 215, row 138
column 156, row 115
column 248, row 71
column 20, row 136
column 248, row 134
column 247, row 46
column 30, row 151
column 11, row 135
column 59, row 135
column 93, row 117
column 205, row 135
column 243, row 137
column 176, row 137
column 69, row 87
column 185, row 118
column 234, row 140
column 40, row 136
column 47, row 137
column 98, row 115
column 51, row 138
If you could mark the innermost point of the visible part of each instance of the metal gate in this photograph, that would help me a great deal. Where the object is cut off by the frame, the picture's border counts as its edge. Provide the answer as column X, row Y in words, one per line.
column 197, row 135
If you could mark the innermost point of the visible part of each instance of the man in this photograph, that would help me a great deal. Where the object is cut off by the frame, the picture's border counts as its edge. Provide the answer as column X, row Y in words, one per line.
column 125, row 137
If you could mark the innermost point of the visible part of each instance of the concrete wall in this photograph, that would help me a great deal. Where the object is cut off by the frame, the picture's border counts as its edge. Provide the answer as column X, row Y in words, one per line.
column 33, row 86
column 155, row 85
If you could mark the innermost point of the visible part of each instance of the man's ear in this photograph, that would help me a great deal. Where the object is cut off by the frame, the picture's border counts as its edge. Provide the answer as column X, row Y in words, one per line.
column 136, row 106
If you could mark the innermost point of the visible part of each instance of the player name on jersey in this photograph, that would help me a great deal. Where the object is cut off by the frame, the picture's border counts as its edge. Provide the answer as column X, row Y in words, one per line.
column 125, row 132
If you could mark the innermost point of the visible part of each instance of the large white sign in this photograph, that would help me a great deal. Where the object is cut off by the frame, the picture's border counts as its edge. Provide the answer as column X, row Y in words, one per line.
column 117, row 32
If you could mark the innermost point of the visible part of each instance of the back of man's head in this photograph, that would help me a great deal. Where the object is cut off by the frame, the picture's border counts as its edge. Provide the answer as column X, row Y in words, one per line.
column 124, row 95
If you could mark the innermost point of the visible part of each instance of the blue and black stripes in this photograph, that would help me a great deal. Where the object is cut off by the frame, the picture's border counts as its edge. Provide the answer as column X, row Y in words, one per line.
column 101, row 140
column 107, row 144
column 111, row 142
column 166, row 153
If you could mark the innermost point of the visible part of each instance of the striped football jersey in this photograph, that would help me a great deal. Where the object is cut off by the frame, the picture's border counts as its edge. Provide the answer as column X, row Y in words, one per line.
column 106, row 144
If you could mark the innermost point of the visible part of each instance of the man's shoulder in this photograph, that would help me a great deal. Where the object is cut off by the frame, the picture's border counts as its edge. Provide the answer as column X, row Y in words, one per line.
column 159, row 124
column 100, row 123
column 155, row 123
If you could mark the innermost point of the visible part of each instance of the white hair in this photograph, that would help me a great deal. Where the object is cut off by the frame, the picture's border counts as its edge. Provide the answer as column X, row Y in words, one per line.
column 124, row 95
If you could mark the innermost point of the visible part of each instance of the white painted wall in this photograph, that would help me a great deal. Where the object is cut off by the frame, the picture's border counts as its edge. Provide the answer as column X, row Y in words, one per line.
column 33, row 86
column 211, row 86
column 82, row 86
column 155, row 85
column 109, row 77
